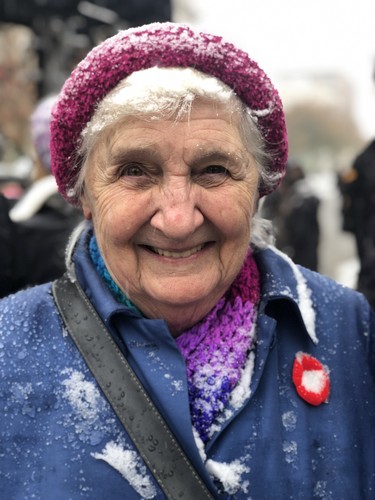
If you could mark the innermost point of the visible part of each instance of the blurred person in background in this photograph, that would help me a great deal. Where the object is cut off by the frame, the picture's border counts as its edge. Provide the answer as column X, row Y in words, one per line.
column 34, row 229
column 167, row 139
column 293, row 209
column 357, row 186
column 11, row 188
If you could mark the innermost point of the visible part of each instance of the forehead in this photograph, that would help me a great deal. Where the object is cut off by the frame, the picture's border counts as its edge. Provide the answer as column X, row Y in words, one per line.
column 205, row 125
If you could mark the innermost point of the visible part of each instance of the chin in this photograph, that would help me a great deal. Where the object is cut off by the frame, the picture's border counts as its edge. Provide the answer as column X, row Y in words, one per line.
column 196, row 297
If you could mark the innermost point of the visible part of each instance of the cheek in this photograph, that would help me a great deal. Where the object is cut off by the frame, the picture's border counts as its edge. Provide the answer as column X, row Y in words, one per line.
column 102, row 208
column 120, row 215
column 247, row 199
column 105, row 201
column 114, row 227
column 236, row 209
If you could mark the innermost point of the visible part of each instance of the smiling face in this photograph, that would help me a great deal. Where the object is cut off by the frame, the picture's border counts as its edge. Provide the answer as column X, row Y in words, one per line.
column 171, row 204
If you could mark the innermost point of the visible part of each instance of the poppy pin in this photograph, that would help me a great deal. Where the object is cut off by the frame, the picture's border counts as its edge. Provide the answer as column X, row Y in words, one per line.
column 311, row 379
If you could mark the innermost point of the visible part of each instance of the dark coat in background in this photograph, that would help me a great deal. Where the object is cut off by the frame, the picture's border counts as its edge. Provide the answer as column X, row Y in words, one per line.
column 293, row 210
column 32, row 250
column 358, row 190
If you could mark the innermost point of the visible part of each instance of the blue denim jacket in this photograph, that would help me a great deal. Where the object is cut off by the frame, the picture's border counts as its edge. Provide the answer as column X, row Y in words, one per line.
column 60, row 438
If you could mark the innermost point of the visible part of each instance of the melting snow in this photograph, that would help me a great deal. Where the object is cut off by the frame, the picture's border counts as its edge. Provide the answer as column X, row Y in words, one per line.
column 289, row 420
column 304, row 296
column 200, row 445
column 88, row 408
column 290, row 450
column 314, row 380
column 239, row 395
column 242, row 390
column 20, row 394
column 320, row 491
column 129, row 465
column 178, row 385
column 229, row 474
column 82, row 395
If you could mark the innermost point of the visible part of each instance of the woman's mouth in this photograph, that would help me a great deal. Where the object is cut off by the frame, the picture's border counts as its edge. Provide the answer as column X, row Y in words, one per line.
column 176, row 254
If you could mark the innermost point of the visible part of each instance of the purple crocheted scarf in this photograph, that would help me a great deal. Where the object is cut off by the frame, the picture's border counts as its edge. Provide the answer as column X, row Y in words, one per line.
column 216, row 349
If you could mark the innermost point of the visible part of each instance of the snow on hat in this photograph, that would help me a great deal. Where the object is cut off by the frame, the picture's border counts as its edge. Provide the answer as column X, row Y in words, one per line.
column 164, row 45
column 40, row 130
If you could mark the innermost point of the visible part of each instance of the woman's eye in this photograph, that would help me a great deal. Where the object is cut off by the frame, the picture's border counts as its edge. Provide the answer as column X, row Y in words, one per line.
column 133, row 171
column 216, row 169
column 212, row 175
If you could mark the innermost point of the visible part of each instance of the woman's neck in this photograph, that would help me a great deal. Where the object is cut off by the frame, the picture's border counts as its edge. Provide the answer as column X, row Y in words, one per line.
column 179, row 318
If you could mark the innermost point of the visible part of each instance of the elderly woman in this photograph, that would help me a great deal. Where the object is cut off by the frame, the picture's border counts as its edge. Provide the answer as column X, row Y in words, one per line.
column 181, row 356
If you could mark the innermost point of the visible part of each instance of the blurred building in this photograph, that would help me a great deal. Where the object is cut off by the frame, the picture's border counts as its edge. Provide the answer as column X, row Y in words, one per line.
column 319, row 111
column 325, row 88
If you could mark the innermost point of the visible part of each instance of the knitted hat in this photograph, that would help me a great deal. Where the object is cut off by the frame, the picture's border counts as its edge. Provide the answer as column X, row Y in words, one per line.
column 39, row 129
column 163, row 45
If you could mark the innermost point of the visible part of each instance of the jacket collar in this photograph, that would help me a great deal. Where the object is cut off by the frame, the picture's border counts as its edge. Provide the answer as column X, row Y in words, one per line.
column 282, row 279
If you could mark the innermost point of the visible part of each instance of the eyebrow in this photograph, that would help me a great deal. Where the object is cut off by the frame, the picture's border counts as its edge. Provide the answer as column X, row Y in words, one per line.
column 219, row 155
column 195, row 157
column 139, row 153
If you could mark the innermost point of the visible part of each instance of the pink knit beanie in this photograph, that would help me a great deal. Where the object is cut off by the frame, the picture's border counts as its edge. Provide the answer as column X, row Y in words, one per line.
column 163, row 45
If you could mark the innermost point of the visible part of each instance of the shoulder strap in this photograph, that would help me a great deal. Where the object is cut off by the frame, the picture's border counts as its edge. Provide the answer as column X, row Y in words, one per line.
column 155, row 442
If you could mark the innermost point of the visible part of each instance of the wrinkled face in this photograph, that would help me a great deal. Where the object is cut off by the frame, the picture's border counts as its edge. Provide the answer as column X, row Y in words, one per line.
column 171, row 204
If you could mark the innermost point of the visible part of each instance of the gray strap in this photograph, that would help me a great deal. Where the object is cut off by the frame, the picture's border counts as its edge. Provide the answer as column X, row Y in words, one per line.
column 158, row 447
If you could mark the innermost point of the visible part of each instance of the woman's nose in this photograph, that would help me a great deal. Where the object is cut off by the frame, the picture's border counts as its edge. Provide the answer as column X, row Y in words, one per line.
column 177, row 215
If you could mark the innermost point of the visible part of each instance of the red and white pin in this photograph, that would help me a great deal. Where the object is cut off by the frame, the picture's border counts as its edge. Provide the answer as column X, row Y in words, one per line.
column 311, row 379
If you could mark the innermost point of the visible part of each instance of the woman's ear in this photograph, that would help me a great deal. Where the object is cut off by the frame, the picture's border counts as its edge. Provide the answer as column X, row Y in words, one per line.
column 86, row 209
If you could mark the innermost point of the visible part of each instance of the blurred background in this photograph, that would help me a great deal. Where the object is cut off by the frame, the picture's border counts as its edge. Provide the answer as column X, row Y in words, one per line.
column 320, row 55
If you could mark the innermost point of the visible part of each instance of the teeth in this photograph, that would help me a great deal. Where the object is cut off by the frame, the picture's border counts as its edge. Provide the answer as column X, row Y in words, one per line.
column 177, row 255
